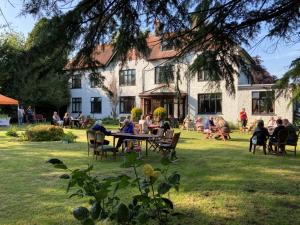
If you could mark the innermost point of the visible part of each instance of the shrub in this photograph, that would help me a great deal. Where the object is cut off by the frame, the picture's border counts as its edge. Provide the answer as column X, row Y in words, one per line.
column 12, row 131
column 233, row 126
column 110, row 121
column 136, row 113
column 160, row 112
column 69, row 137
column 44, row 133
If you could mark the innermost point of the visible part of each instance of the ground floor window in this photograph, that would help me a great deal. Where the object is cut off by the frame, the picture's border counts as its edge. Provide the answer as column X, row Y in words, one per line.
column 263, row 102
column 210, row 103
column 126, row 104
column 96, row 105
column 76, row 105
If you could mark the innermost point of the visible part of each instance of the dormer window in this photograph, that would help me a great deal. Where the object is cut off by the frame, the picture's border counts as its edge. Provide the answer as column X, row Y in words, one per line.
column 167, row 45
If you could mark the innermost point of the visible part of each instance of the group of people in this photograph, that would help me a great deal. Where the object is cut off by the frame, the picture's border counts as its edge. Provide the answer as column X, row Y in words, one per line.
column 25, row 115
column 68, row 120
column 261, row 134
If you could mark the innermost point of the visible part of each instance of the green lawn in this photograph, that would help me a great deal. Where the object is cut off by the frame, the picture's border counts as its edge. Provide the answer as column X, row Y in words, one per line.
column 222, row 183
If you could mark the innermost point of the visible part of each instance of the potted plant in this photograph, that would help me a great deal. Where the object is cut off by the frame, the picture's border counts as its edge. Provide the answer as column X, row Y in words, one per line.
column 136, row 114
column 160, row 113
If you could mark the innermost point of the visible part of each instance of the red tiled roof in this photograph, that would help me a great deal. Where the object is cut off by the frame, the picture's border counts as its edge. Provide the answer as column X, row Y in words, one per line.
column 104, row 53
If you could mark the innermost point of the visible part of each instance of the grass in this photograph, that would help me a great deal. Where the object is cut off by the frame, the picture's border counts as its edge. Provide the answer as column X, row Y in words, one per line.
column 222, row 183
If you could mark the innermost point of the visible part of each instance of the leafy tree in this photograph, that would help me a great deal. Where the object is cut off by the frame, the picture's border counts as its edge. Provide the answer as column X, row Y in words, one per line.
column 213, row 27
column 32, row 71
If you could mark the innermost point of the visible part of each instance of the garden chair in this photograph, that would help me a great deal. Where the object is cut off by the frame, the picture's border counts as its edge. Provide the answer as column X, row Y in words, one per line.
column 91, row 140
column 260, row 140
column 154, row 142
column 101, row 148
column 39, row 118
column 280, row 144
column 294, row 145
column 169, row 149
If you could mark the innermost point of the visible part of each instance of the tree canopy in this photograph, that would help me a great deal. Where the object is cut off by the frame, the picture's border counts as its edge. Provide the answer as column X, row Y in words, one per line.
column 215, row 27
column 32, row 74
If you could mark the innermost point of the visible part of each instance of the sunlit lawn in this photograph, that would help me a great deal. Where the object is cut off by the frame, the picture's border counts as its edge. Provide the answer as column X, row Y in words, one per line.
column 222, row 183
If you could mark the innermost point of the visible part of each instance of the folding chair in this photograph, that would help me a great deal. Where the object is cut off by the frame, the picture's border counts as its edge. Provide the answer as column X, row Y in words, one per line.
column 169, row 149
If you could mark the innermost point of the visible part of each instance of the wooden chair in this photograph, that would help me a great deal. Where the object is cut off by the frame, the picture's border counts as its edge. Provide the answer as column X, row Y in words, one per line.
column 169, row 149
column 294, row 144
column 101, row 148
column 154, row 143
column 91, row 140
column 39, row 118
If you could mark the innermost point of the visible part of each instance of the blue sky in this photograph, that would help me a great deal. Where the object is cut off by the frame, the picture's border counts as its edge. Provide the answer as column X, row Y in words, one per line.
column 275, row 59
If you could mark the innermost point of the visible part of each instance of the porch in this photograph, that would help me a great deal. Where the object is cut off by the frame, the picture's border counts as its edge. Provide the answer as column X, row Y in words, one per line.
column 164, row 96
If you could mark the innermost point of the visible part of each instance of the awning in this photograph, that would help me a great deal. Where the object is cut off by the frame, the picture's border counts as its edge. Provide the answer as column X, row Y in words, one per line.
column 7, row 101
column 162, row 91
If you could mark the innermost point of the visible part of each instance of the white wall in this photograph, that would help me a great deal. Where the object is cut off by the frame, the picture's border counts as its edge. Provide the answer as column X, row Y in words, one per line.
column 231, row 104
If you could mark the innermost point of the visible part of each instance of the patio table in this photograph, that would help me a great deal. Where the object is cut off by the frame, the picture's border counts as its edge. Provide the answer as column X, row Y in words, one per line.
column 142, row 137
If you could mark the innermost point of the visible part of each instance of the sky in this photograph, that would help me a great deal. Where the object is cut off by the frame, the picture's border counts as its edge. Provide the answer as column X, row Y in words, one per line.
column 276, row 59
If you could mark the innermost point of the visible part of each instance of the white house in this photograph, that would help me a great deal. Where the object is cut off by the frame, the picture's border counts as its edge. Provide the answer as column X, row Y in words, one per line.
column 140, row 84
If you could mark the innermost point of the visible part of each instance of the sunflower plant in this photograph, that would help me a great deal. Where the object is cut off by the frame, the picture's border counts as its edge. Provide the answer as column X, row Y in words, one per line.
column 150, row 205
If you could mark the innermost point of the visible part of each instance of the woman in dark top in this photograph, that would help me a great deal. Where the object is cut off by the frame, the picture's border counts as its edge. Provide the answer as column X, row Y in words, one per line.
column 260, row 135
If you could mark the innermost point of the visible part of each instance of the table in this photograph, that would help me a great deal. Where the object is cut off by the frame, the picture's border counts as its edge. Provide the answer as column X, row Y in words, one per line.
column 142, row 137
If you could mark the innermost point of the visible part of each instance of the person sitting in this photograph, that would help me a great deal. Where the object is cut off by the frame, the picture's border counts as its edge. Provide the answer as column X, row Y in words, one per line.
column 98, row 126
column 148, row 120
column 67, row 120
column 127, row 128
column 292, row 137
column 199, row 124
column 209, row 127
column 56, row 119
column 260, row 135
column 271, row 124
column 275, row 136
column 223, row 129
column 143, row 125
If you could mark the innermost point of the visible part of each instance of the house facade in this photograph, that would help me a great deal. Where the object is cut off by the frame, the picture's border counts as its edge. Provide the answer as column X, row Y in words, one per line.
column 140, row 82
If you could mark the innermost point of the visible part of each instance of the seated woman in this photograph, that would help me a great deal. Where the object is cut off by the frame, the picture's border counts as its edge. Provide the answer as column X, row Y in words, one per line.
column 127, row 128
column 223, row 129
column 143, row 124
column 56, row 119
column 199, row 124
column 67, row 119
column 275, row 136
column 98, row 126
column 260, row 135
column 209, row 127
column 292, row 137
column 271, row 124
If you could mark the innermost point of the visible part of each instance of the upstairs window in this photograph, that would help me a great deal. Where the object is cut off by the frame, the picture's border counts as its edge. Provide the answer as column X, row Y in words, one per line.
column 76, row 81
column 210, row 103
column 203, row 75
column 96, row 105
column 263, row 102
column 167, row 45
column 164, row 74
column 127, row 78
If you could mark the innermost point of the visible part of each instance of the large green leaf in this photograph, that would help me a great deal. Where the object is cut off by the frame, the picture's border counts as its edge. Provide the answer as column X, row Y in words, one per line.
column 174, row 179
column 122, row 213
column 81, row 213
column 163, row 188
column 55, row 161
column 168, row 202
column 61, row 166
column 88, row 221
column 95, row 210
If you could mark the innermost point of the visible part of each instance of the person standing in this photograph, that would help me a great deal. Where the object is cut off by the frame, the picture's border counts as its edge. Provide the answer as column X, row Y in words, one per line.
column 244, row 119
column 21, row 114
column 30, row 114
